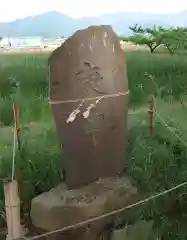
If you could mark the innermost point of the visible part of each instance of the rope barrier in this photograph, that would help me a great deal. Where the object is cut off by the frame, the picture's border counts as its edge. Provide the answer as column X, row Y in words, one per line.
column 81, row 224
column 169, row 128
column 112, row 213
column 89, row 99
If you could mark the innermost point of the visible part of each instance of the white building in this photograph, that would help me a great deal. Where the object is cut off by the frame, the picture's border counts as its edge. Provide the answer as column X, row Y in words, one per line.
column 53, row 43
column 31, row 42
column 24, row 42
column 6, row 42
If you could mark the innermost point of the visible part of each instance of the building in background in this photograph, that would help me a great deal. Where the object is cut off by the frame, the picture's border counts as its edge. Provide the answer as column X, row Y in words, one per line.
column 23, row 42
column 53, row 43
column 8, row 42
column 29, row 43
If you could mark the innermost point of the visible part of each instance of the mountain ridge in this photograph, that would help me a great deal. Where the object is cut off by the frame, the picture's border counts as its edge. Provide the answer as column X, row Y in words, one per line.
column 54, row 23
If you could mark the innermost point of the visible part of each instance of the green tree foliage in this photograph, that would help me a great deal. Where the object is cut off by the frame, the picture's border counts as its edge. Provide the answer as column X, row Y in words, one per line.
column 171, row 38
column 151, row 37
column 175, row 38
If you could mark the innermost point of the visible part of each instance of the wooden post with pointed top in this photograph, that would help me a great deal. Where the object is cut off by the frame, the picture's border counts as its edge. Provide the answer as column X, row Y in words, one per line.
column 17, row 123
column 150, row 115
column 11, row 194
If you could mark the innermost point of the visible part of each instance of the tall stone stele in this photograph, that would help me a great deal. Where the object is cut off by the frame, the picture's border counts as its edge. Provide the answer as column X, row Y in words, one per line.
column 88, row 94
column 90, row 66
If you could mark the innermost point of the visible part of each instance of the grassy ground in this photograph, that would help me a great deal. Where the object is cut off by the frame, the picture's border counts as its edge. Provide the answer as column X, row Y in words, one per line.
column 30, row 74
column 155, row 164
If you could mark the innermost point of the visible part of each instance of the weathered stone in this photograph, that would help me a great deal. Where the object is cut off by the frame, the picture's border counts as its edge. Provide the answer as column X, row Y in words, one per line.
column 141, row 230
column 61, row 207
column 90, row 64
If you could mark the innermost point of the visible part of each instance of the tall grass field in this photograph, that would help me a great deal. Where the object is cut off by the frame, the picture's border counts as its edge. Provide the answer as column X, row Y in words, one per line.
column 155, row 164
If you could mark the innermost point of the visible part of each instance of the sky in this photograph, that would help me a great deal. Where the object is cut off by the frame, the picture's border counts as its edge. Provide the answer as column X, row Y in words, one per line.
column 16, row 9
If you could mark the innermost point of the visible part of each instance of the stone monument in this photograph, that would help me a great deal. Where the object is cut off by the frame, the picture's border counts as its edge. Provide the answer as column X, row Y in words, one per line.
column 89, row 101
column 89, row 70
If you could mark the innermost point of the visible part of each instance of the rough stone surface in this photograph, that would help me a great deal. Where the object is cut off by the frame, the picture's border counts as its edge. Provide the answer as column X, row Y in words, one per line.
column 61, row 207
column 90, row 64
column 141, row 230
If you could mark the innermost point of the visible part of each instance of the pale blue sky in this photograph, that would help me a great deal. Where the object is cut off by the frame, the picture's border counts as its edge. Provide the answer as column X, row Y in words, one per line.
column 13, row 9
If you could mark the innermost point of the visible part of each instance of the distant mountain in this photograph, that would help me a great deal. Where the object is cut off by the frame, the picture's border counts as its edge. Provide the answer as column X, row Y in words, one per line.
column 54, row 24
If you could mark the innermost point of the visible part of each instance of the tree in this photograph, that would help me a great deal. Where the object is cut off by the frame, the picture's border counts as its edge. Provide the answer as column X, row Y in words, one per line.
column 175, row 38
column 152, row 38
column 171, row 38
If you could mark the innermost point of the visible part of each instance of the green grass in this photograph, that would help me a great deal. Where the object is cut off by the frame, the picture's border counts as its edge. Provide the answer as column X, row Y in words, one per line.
column 155, row 164
column 158, row 164
column 30, row 73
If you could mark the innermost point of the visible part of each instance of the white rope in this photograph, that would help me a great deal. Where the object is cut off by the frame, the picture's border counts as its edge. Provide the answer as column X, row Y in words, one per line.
column 169, row 128
column 89, row 99
column 81, row 224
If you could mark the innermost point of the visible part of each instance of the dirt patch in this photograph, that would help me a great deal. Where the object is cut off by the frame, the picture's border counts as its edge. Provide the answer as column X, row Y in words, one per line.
column 31, row 50
column 162, row 54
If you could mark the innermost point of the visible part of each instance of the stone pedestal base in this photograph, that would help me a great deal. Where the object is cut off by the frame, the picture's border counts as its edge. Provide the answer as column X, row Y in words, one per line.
column 61, row 207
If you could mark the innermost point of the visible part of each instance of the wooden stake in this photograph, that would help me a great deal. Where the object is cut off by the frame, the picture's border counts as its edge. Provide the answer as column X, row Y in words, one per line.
column 17, row 123
column 150, row 115
column 12, row 205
